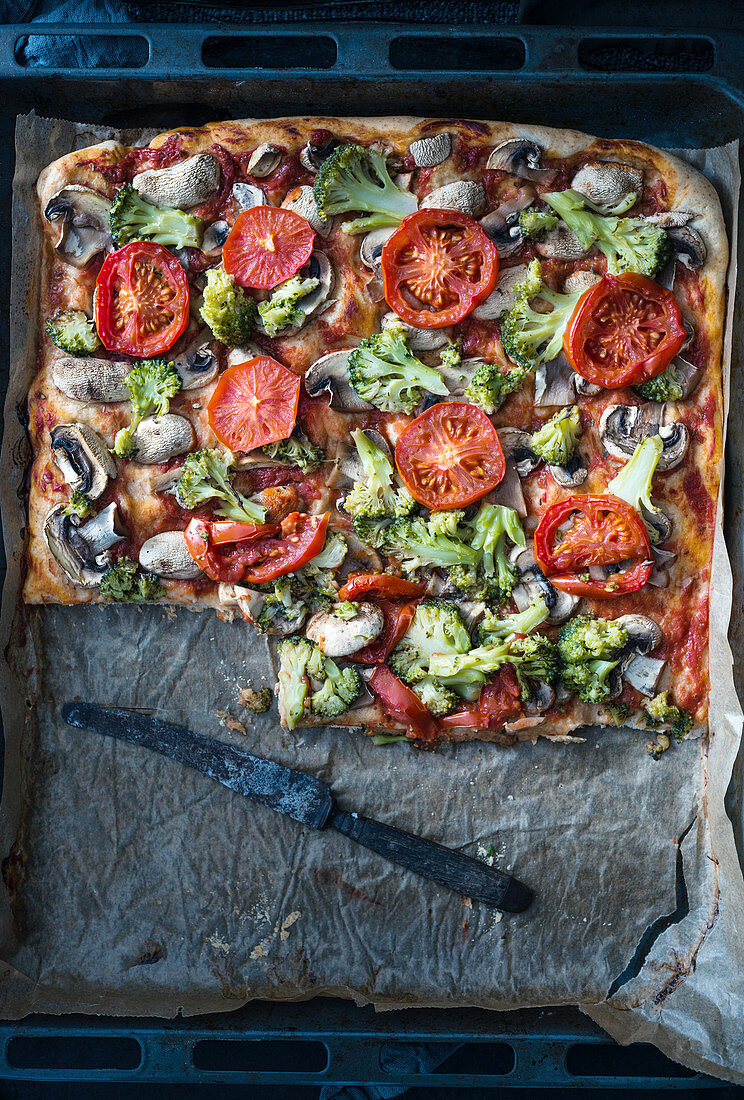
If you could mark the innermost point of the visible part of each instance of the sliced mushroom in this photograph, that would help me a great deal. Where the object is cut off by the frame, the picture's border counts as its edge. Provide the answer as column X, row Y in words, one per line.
column 301, row 200
column 662, row 560
column 329, row 375
column 247, row 195
column 183, row 185
column 581, row 280
column 643, row 673
column 520, row 157
column 659, row 525
column 554, row 383
column 670, row 219
column 502, row 297
column 370, row 250
column 504, row 231
column 561, row 243
column 508, row 492
column 428, row 151
column 83, row 217
column 215, row 236
column 583, row 387
column 82, row 549
column 159, row 438
column 198, row 364
column 418, row 339
column 165, row 482
column 541, row 699
column 458, row 378
column 249, row 601
column 167, row 555
column 534, row 583
column 83, row 458
column 572, row 474
column 517, row 445
column 609, row 188
column 263, row 160
column 91, row 380
column 689, row 245
column 249, row 350
column 623, row 427
column 466, row 196
column 314, row 153
column 644, row 635
column 687, row 374
column 318, row 267
column 341, row 637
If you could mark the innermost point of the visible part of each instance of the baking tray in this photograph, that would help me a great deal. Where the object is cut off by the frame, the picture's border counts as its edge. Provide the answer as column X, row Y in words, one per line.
column 680, row 89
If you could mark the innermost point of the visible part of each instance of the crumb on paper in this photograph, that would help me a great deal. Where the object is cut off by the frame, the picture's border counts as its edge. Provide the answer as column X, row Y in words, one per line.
column 280, row 929
column 226, row 719
column 287, row 924
column 216, row 941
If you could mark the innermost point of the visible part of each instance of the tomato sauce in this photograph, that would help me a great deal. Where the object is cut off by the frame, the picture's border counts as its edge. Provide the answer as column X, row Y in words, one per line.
column 139, row 159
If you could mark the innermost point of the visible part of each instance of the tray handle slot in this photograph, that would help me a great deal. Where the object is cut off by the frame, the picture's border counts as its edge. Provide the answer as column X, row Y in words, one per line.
column 270, row 51
column 647, row 54
column 50, row 50
column 434, row 53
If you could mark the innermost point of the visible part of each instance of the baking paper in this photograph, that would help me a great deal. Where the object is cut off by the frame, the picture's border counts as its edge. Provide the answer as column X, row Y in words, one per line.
column 135, row 886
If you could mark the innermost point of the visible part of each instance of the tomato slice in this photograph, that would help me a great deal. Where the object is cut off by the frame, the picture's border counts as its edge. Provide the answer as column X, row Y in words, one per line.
column 267, row 245
column 398, row 618
column 398, row 701
column 141, row 300
column 449, row 456
column 254, row 403
column 625, row 329
column 380, row 584
column 228, row 563
column 302, row 537
column 437, row 266
column 498, row 702
column 580, row 532
column 228, row 530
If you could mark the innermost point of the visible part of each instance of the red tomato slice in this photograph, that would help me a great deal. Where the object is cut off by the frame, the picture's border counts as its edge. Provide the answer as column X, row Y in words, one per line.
column 228, row 530
column 398, row 701
column 254, row 403
column 302, row 537
column 497, row 703
column 624, row 330
column 437, row 266
column 267, row 245
column 584, row 531
column 398, row 618
column 380, row 584
column 227, row 564
column 142, row 300
column 449, row 456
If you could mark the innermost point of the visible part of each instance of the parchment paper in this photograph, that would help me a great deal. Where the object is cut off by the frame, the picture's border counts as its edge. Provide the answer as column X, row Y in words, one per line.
column 135, row 886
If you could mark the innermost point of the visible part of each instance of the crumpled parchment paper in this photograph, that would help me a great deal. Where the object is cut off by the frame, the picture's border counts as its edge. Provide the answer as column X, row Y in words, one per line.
column 135, row 886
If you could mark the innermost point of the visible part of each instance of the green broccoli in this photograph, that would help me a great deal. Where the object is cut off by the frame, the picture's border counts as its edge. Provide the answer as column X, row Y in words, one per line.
column 535, row 223
column 665, row 387
column 474, row 585
column 73, row 332
column 451, row 356
column 436, row 627
column 320, row 587
column 618, row 712
column 493, row 628
column 122, row 581
column 589, row 679
column 379, row 496
column 345, row 609
column 533, row 658
column 132, row 218
column 530, row 338
column 437, row 698
column 586, row 648
column 151, row 384
column 355, row 178
column 296, row 451
column 555, row 442
column 466, row 673
column 285, row 608
column 447, row 522
column 417, row 543
column 490, row 386
column 258, row 700
column 298, row 659
column 80, row 505
column 633, row 482
column 630, row 244
column 384, row 372
column 341, row 687
column 333, row 553
column 205, row 477
column 493, row 524
column 661, row 713
column 283, row 309
column 227, row 311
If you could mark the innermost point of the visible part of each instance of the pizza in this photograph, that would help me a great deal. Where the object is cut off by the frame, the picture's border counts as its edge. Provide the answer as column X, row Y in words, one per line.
column 434, row 404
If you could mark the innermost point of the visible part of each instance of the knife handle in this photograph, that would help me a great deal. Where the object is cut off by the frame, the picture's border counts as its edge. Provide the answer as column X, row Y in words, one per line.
column 456, row 871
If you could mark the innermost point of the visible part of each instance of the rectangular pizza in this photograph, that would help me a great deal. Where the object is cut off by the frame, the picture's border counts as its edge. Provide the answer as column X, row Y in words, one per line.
column 435, row 404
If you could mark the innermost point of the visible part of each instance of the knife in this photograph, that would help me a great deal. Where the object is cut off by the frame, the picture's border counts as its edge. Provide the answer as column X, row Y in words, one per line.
column 305, row 799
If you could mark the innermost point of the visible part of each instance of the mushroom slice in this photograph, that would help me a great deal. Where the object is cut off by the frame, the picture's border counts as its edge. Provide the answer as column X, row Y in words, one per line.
column 466, row 196
column 91, row 380
column 623, row 427
column 643, row 673
column 572, row 474
column 82, row 549
column 659, row 525
column 300, row 199
column 167, row 555
column 670, row 219
column 644, row 635
column 159, row 438
column 418, row 339
column 329, row 375
column 504, row 231
column 198, row 364
column 244, row 353
column 583, row 387
column 183, row 185
column 687, row 374
column 83, row 458
column 541, row 699
column 689, row 245
column 249, row 601
column 314, row 153
column 502, row 297
column 247, row 195
column 429, row 151
column 508, row 492
column 520, row 157
column 554, row 383
column 318, row 267
column 561, row 243
column 534, row 583
column 263, row 160
column 341, row 637
column 608, row 188
column 83, row 215
column 581, row 280
column 215, row 236
column 370, row 250
column 663, row 559
column 516, row 444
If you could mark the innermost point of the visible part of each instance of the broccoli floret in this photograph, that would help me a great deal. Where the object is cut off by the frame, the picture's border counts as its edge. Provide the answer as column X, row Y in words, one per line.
column 345, row 609
column 73, row 332
column 132, row 218
column 298, row 657
column 588, row 637
column 341, row 688
column 490, row 385
column 205, row 478
column 589, row 679
column 471, row 582
column 535, row 223
column 384, row 372
column 466, row 673
column 618, row 712
column 372, row 532
column 416, row 543
column 451, row 356
column 284, row 609
column 491, row 527
column 226, row 309
column 355, row 178
column 633, row 483
column 80, row 505
column 630, row 244
column 530, row 338
column 534, row 659
column 257, row 700
column 493, row 628
column 660, row 712
column 436, row 627
column 379, row 496
column 296, row 451
column 447, row 522
column 659, row 746
column 333, row 553
column 555, row 442
column 665, row 387
column 122, row 581
column 151, row 385
column 437, row 698
column 283, row 309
